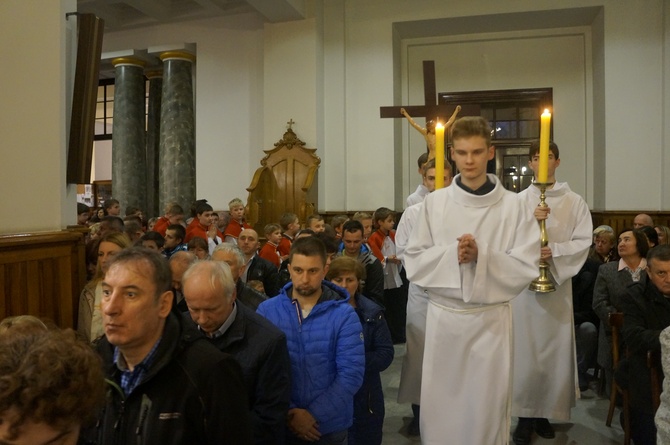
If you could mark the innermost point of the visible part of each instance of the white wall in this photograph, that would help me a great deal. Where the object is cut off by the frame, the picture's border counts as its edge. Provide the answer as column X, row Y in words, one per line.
column 34, row 115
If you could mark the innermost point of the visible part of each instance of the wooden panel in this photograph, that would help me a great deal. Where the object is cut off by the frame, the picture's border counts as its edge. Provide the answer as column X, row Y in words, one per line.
column 620, row 220
column 42, row 274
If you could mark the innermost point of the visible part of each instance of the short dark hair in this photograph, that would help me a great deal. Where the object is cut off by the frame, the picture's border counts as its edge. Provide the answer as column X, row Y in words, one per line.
column 198, row 241
column 82, row 208
column 271, row 228
column 179, row 231
column 338, row 220
column 113, row 222
column 641, row 243
column 660, row 253
column 352, row 226
column 195, row 205
column 309, row 232
column 49, row 377
column 650, row 233
column 161, row 275
column 155, row 237
column 421, row 161
column 329, row 241
column 202, row 208
column 110, row 202
column 313, row 217
column 382, row 213
column 308, row 246
column 535, row 149
column 471, row 126
column 431, row 164
column 286, row 219
column 175, row 209
column 132, row 210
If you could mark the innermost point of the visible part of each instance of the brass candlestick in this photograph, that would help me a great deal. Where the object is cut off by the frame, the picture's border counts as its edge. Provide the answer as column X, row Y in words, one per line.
column 543, row 283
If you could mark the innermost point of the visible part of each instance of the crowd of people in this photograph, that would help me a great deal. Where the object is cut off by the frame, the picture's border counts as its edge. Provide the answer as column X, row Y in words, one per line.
column 197, row 332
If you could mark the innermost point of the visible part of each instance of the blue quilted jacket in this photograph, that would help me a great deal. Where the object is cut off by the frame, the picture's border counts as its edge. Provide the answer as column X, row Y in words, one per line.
column 327, row 354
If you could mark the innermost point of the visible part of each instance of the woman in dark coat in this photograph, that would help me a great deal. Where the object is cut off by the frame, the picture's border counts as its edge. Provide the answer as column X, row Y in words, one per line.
column 369, row 400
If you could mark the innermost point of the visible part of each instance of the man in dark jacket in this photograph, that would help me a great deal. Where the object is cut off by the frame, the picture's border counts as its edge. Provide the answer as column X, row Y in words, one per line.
column 325, row 342
column 231, row 254
column 353, row 246
column 257, row 268
column 257, row 344
column 646, row 314
column 168, row 386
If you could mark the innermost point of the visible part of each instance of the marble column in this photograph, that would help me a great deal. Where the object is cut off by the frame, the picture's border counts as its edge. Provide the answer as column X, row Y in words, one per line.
column 128, row 134
column 177, row 131
column 153, row 137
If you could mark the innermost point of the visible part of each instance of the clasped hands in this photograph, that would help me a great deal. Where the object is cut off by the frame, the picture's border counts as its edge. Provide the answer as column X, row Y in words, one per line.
column 467, row 249
column 303, row 424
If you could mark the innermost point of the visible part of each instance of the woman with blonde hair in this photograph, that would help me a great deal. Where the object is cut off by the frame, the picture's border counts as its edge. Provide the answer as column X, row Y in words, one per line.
column 90, row 317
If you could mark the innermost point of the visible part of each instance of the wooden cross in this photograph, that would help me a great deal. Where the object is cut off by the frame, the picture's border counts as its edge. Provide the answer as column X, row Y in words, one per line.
column 430, row 110
column 290, row 123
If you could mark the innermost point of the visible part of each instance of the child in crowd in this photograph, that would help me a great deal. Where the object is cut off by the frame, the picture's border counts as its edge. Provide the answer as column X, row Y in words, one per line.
column 153, row 241
column 382, row 244
column 365, row 219
column 237, row 223
column 337, row 223
column 290, row 225
column 316, row 223
column 269, row 250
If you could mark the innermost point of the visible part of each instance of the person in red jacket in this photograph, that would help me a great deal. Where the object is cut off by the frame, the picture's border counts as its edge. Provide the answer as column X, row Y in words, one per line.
column 269, row 250
column 204, row 228
column 382, row 244
column 237, row 223
column 174, row 214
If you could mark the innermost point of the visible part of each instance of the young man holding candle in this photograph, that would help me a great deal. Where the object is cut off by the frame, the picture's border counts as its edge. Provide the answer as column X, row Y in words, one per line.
column 473, row 249
column 544, row 383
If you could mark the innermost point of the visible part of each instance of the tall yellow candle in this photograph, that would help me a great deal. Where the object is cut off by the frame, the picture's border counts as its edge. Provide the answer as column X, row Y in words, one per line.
column 439, row 156
column 543, row 168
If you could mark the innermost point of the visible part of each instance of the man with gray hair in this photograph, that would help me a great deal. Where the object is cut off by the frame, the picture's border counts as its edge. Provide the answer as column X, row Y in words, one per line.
column 168, row 387
column 232, row 255
column 259, row 347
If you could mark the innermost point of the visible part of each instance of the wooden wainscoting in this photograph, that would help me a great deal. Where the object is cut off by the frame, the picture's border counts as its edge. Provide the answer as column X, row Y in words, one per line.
column 620, row 220
column 42, row 274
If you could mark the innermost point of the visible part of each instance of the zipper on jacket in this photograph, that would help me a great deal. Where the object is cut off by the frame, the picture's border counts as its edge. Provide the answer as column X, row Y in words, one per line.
column 298, row 312
column 145, row 406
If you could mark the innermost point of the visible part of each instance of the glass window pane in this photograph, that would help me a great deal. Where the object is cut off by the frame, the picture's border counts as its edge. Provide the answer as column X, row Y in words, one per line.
column 110, row 92
column 505, row 130
column 529, row 129
column 99, row 110
column 487, row 113
column 506, row 114
column 529, row 113
column 101, row 93
column 110, row 109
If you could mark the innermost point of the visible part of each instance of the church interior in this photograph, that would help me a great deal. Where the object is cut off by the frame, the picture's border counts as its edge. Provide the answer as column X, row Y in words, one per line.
column 323, row 69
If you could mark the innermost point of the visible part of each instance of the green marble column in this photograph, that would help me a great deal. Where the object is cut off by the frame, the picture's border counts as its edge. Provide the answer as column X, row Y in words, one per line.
column 128, row 134
column 177, row 131
column 153, row 137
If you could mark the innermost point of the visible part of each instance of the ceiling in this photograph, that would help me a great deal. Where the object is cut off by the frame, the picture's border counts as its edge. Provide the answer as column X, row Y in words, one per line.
column 127, row 14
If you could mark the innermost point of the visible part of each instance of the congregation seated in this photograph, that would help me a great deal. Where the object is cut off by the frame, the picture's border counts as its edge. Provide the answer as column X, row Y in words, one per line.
column 646, row 313
column 610, row 289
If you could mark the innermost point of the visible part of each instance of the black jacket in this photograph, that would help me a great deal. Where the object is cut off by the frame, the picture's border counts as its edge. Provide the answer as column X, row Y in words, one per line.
column 250, row 297
column 262, row 270
column 192, row 394
column 645, row 314
column 260, row 348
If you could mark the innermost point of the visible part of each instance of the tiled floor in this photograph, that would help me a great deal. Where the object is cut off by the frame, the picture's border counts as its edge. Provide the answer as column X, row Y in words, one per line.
column 586, row 428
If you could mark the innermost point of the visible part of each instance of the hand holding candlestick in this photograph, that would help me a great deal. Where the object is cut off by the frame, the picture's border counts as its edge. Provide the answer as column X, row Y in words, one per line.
column 543, row 283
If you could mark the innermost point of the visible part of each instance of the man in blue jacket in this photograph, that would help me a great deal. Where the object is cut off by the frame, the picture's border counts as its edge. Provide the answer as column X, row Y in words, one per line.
column 325, row 342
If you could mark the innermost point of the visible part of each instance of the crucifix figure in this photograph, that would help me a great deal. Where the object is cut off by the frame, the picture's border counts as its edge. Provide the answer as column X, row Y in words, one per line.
column 432, row 111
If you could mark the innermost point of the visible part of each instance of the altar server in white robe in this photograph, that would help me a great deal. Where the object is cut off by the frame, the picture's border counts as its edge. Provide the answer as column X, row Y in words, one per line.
column 473, row 248
column 545, row 371
column 409, row 390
